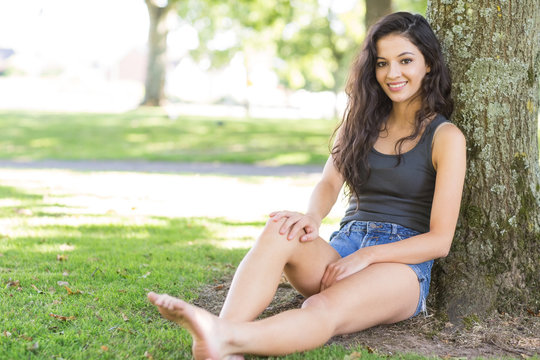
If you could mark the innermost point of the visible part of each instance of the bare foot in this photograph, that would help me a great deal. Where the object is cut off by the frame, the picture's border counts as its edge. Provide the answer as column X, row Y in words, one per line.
column 203, row 326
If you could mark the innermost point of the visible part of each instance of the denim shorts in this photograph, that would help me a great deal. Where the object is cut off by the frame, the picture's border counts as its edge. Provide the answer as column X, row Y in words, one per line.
column 359, row 234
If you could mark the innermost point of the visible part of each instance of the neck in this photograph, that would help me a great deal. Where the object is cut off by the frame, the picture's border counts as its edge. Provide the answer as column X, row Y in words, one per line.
column 404, row 114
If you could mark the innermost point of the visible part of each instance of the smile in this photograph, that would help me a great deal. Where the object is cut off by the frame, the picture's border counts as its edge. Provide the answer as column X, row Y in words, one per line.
column 397, row 86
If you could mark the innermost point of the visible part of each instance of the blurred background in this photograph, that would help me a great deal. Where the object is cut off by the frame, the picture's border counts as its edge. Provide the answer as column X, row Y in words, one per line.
column 245, row 58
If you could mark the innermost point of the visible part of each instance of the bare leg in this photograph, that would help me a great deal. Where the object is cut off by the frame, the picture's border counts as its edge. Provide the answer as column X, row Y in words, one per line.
column 259, row 273
column 381, row 293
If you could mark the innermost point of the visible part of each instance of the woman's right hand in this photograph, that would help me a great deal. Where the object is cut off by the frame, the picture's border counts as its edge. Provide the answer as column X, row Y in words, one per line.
column 295, row 223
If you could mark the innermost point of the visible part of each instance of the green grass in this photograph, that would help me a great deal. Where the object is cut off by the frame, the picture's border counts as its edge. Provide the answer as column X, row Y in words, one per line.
column 111, row 261
column 94, row 271
column 149, row 134
column 113, row 265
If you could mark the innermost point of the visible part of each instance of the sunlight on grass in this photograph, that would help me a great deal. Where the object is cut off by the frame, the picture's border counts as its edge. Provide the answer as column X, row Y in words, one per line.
column 233, row 244
column 10, row 202
column 20, row 228
column 150, row 135
column 159, row 146
column 164, row 195
column 287, row 159
column 43, row 142
column 52, row 248
column 236, row 237
column 137, row 138
column 87, row 247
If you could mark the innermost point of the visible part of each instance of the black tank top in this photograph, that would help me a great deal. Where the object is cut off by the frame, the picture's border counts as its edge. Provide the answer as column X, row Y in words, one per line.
column 399, row 194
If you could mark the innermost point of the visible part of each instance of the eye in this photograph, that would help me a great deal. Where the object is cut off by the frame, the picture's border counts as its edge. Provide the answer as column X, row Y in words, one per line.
column 406, row 61
column 381, row 64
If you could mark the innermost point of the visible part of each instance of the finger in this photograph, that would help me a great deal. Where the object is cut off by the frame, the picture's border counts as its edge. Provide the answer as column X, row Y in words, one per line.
column 311, row 234
column 345, row 273
column 288, row 224
column 322, row 286
column 322, row 281
column 325, row 279
column 298, row 226
column 278, row 216
column 332, row 273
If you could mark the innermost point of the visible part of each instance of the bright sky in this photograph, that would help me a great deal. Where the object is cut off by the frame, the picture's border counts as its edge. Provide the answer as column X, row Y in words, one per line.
column 73, row 29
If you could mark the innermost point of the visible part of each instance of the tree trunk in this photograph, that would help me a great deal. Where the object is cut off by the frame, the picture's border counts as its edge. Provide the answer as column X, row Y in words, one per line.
column 375, row 9
column 157, row 54
column 493, row 52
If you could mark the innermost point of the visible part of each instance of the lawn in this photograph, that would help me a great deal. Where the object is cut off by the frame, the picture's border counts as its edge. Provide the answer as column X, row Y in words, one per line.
column 73, row 284
column 74, row 275
column 149, row 134
column 74, row 287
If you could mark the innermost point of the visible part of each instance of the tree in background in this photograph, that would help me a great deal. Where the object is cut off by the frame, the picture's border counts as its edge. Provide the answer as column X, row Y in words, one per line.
column 253, row 24
column 313, row 41
column 157, row 50
column 375, row 9
column 493, row 51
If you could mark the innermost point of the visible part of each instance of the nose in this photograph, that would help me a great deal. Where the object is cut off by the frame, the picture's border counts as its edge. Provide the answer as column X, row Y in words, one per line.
column 393, row 71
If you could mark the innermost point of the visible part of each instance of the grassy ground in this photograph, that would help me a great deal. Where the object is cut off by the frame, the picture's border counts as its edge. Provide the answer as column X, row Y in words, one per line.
column 78, row 291
column 73, row 283
column 73, row 286
column 149, row 134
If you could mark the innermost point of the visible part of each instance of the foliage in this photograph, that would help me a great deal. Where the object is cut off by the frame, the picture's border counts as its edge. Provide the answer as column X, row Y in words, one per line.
column 318, row 44
column 250, row 23
column 414, row 6
column 149, row 134
column 312, row 41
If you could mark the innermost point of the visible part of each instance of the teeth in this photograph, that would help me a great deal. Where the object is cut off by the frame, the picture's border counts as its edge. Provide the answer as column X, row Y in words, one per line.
column 397, row 85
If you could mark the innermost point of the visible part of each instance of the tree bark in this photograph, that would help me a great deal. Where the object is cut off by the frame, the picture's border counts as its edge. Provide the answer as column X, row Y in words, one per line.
column 492, row 48
column 375, row 9
column 157, row 54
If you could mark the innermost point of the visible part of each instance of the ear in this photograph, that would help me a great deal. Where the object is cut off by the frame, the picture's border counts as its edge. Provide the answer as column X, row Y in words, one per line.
column 428, row 69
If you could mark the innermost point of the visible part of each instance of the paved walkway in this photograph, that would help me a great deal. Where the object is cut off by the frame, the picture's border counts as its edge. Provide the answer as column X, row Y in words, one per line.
column 165, row 167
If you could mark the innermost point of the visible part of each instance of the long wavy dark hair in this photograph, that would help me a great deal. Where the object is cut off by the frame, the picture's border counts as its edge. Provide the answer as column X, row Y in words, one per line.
column 368, row 106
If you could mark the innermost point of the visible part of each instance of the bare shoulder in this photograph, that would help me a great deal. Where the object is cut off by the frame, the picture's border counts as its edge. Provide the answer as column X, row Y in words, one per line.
column 449, row 145
column 448, row 134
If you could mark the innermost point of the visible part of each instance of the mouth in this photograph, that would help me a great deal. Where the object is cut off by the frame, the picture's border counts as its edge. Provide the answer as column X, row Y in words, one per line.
column 396, row 86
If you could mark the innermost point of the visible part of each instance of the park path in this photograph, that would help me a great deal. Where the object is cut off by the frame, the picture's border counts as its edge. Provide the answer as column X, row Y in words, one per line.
column 142, row 189
column 165, row 167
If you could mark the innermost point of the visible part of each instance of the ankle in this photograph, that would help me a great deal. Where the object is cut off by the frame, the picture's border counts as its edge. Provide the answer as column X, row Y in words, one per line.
column 233, row 339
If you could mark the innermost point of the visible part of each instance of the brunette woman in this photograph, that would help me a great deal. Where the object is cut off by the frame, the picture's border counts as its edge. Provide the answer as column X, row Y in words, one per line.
column 403, row 164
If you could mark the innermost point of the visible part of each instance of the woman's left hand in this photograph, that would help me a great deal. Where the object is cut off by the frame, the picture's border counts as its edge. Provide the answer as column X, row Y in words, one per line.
column 345, row 267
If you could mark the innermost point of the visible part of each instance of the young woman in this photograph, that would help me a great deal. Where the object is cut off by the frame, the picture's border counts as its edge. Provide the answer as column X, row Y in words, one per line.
column 404, row 166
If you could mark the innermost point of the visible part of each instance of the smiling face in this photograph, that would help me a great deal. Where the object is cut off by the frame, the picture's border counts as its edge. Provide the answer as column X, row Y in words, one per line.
column 400, row 67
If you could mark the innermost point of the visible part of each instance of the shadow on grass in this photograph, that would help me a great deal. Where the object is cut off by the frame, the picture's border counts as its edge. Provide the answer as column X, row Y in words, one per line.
column 151, row 135
column 8, row 192
column 79, row 291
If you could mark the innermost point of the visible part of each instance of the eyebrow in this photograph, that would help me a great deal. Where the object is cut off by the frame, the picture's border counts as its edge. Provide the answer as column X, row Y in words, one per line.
column 403, row 53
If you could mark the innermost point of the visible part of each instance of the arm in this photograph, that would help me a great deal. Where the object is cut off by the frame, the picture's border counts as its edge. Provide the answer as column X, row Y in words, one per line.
column 322, row 199
column 449, row 159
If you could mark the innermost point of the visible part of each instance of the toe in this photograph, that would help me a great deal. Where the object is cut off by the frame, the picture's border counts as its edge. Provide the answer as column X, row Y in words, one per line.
column 152, row 297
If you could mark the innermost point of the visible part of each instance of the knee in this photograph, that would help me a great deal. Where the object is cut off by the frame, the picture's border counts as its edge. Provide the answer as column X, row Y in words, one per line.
column 320, row 305
column 270, row 238
column 271, row 231
column 317, row 302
